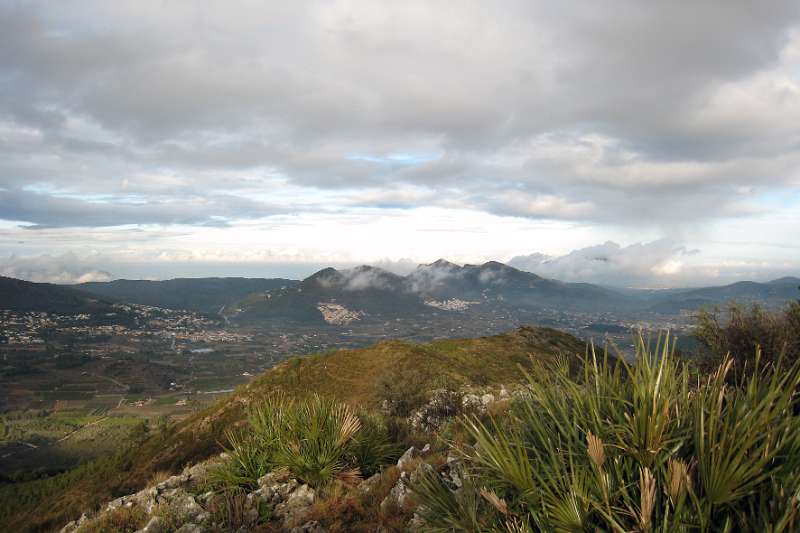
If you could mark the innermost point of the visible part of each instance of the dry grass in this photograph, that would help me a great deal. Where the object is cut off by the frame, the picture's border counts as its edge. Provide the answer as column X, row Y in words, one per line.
column 121, row 520
column 356, row 376
column 229, row 509
column 158, row 478
column 343, row 509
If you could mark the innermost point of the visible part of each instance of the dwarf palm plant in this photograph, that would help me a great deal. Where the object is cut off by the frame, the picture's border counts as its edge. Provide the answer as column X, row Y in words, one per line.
column 316, row 439
column 637, row 447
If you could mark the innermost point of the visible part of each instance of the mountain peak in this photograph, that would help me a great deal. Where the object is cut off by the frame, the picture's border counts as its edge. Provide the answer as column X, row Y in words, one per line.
column 323, row 276
column 323, row 273
column 497, row 266
column 442, row 263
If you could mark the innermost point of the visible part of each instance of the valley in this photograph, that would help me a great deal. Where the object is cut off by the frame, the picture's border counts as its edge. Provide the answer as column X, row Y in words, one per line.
column 76, row 380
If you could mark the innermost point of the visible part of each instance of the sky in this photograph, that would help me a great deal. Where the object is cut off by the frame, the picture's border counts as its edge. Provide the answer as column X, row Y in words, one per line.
column 648, row 144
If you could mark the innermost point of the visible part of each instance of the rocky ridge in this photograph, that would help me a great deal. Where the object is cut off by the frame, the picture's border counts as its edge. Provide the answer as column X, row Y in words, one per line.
column 183, row 503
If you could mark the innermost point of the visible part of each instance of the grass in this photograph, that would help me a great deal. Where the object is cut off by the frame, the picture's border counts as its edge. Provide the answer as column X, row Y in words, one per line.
column 172, row 517
column 158, row 477
column 358, row 377
column 638, row 447
column 120, row 520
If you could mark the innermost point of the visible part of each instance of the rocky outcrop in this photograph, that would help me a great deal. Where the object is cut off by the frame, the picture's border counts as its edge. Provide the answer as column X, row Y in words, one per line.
column 180, row 504
column 411, row 467
column 445, row 404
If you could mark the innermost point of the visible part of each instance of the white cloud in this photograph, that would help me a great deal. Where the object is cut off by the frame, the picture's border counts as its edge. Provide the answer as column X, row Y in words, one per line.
column 309, row 133
column 661, row 263
column 62, row 269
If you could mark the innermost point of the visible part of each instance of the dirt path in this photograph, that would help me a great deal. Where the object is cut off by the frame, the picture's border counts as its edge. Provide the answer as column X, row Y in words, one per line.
column 112, row 380
column 71, row 433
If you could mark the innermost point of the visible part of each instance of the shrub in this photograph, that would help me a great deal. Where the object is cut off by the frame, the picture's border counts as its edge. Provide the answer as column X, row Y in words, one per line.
column 317, row 440
column 403, row 392
column 371, row 447
column 632, row 448
column 248, row 459
column 741, row 330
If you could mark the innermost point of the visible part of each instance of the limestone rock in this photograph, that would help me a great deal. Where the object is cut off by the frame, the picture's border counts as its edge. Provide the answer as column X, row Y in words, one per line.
column 295, row 505
column 153, row 526
column 70, row 527
column 397, row 497
column 405, row 459
column 309, row 527
column 189, row 527
column 369, row 484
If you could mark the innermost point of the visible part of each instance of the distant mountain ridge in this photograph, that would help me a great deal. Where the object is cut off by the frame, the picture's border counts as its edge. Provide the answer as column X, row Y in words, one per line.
column 26, row 296
column 770, row 293
column 204, row 295
column 370, row 293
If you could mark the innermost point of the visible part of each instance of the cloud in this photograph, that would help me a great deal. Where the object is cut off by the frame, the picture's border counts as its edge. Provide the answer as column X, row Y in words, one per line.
column 661, row 263
column 639, row 120
column 67, row 269
column 659, row 101
column 47, row 211
column 609, row 263
column 358, row 279
column 427, row 278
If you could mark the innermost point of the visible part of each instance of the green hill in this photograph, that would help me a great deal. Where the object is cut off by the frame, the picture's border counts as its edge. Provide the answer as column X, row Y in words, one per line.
column 357, row 377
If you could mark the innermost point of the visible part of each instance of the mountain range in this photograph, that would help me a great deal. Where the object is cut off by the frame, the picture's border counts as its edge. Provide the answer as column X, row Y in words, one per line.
column 367, row 293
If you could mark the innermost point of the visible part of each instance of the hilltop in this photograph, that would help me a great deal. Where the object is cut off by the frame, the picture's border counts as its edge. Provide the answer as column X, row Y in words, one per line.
column 361, row 378
column 26, row 296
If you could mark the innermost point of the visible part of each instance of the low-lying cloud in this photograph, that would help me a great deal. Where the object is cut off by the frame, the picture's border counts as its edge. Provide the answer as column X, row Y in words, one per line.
column 66, row 269
column 661, row 263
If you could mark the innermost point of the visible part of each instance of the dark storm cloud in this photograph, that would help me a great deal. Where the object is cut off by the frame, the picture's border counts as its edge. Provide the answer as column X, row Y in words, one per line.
column 564, row 110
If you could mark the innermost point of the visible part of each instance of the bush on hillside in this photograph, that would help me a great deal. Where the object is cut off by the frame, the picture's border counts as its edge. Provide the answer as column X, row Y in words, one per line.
column 317, row 440
column 741, row 330
column 638, row 447
column 403, row 392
